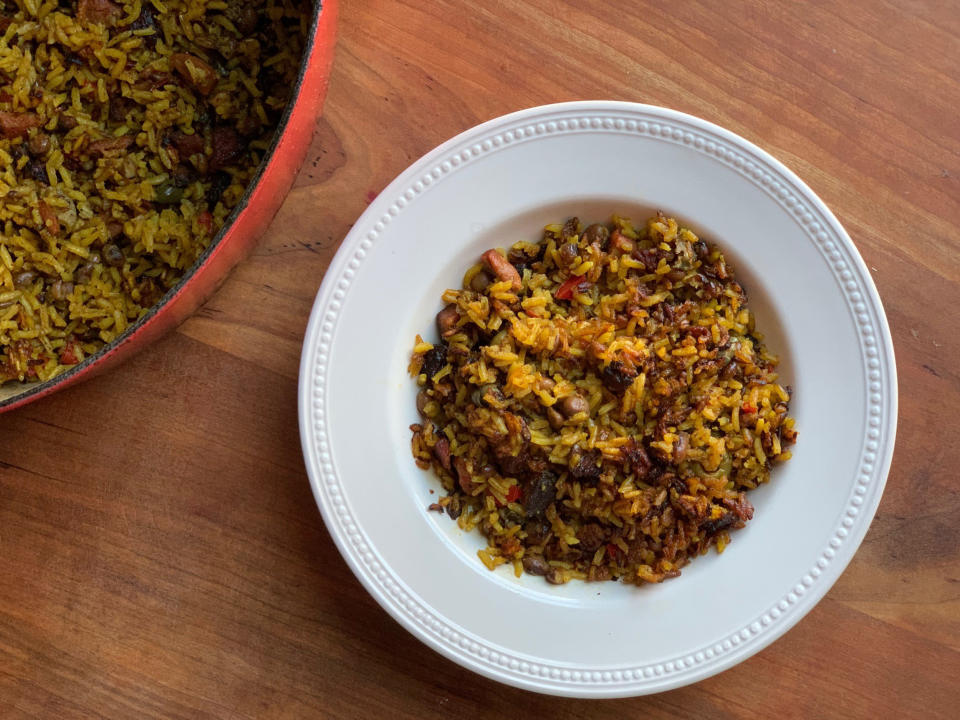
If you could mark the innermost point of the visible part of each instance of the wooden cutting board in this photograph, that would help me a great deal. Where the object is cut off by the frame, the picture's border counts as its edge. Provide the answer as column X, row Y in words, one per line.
column 161, row 553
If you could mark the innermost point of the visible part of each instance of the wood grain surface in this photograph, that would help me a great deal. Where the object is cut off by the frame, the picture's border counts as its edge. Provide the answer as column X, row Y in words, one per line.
column 161, row 553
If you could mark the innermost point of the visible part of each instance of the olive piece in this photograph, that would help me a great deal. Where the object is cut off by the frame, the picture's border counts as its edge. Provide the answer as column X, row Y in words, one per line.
column 113, row 256
column 167, row 194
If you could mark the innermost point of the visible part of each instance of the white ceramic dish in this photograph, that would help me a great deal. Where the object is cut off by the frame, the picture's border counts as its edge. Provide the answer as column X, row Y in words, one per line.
column 501, row 182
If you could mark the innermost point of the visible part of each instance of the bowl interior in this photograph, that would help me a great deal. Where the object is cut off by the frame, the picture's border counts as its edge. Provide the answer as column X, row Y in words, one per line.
column 528, row 226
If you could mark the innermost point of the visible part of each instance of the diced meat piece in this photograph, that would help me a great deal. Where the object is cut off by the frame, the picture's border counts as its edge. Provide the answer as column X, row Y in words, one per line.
column 244, row 17
column 636, row 551
column 447, row 320
column 537, row 530
column 517, row 426
column 741, row 507
column 511, row 465
column 619, row 241
column 442, row 452
column 463, row 475
column 636, row 456
column 14, row 125
column 670, row 417
column 49, row 218
column 674, row 482
column 539, row 493
column 535, row 565
column 150, row 293
column 498, row 265
column 699, row 332
column 687, row 505
column 102, row 12
column 195, row 71
column 586, row 467
column 120, row 107
column 650, row 257
column 152, row 79
column 227, row 148
column 591, row 537
column 185, row 144
column 712, row 527
column 108, row 145
column 85, row 272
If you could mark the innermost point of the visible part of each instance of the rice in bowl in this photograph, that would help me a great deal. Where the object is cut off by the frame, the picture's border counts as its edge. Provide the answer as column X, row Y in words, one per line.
column 599, row 403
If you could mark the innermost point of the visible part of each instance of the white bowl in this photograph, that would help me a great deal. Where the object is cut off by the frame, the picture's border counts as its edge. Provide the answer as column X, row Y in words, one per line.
column 500, row 182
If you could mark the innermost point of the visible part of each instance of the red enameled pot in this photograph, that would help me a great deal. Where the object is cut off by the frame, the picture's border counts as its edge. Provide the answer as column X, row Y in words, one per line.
column 241, row 232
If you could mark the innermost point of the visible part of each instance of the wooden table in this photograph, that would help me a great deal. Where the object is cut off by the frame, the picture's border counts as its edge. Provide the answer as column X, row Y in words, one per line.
column 161, row 553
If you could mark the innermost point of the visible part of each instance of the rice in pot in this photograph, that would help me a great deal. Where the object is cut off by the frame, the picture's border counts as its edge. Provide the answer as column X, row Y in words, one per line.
column 128, row 132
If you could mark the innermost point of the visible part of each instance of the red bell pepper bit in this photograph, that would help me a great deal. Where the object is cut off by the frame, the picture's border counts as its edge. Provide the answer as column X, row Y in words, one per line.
column 205, row 219
column 565, row 291
column 514, row 493
column 68, row 354
column 613, row 550
column 748, row 408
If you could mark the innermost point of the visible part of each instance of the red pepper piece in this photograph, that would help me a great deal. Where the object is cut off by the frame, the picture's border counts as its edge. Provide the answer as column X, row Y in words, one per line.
column 565, row 291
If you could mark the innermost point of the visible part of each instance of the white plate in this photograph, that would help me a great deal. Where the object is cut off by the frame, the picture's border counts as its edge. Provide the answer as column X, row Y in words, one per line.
column 501, row 182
